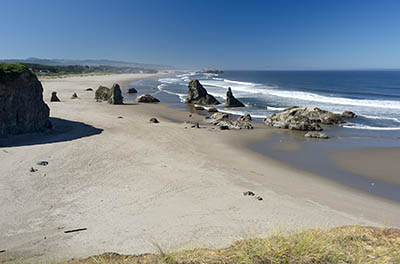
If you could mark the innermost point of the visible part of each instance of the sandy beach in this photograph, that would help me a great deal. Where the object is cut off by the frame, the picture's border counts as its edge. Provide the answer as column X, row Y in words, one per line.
column 132, row 183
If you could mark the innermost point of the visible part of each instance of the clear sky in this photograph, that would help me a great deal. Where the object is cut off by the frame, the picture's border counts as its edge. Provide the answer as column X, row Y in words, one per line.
column 281, row 34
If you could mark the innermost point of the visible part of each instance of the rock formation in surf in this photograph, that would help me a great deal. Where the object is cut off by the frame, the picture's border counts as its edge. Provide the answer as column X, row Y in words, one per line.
column 303, row 118
column 131, row 90
column 231, row 101
column 348, row 114
column 197, row 94
column 22, row 109
column 147, row 98
column 115, row 96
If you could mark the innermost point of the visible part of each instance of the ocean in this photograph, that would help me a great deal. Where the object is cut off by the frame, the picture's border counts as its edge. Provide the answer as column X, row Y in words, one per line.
column 373, row 95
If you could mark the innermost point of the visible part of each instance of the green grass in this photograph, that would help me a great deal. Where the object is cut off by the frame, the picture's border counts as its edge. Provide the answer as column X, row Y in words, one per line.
column 348, row 244
column 11, row 71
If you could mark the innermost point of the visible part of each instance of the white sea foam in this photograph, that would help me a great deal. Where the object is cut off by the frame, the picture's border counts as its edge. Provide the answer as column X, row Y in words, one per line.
column 382, row 118
column 365, row 127
column 161, row 88
column 169, row 80
column 336, row 100
column 240, row 83
column 276, row 108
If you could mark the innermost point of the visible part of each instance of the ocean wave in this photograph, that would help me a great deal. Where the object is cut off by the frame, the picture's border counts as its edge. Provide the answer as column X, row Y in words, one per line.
column 365, row 127
column 397, row 120
column 182, row 97
column 241, row 83
column 336, row 100
column 240, row 113
column 169, row 80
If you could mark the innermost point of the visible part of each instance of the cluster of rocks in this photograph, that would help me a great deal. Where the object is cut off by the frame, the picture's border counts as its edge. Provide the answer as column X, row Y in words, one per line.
column 303, row 118
column 224, row 121
column 307, row 119
column 22, row 109
column 112, row 96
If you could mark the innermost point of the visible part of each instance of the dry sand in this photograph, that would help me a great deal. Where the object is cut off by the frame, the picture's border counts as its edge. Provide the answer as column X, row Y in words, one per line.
column 132, row 183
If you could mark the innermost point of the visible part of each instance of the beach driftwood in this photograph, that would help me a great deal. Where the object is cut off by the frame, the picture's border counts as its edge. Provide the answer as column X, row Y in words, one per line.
column 2, row 251
column 75, row 230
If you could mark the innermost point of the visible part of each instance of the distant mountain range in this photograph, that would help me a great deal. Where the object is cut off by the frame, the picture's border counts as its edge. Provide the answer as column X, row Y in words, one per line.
column 65, row 62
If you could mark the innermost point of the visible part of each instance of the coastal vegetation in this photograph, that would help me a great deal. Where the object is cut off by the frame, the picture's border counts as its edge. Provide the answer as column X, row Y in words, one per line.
column 9, row 71
column 59, row 70
column 349, row 244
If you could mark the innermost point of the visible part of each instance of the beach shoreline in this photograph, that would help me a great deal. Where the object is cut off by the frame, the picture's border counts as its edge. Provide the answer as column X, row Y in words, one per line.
column 130, row 182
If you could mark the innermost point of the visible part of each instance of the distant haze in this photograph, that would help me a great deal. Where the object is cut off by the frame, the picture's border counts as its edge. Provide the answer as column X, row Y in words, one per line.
column 92, row 62
column 290, row 34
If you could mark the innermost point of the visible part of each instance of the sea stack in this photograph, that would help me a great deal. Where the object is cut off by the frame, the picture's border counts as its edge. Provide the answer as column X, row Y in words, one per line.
column 115, row 95
column 197, row 94
column 21, row 99
column 231, row 101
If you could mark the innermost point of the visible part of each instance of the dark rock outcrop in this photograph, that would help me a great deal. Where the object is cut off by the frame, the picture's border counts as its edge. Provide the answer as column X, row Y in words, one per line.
column 348, row 114
column 89, row 89
column 154, row 120
column 74, row 96
column 102, row 93
column 54, row 97
column 303, row 118
column 115, row 95
column 224, row 122
column 316, row 134
column 147, row 98
column 22, row 109
column 197, row 94
column 212, row 110
column 231, row 101
column 245, row 118
column 131, row 90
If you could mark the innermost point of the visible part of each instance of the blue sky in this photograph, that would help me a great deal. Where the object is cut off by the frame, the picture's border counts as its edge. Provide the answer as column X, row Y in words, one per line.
column 337, row 34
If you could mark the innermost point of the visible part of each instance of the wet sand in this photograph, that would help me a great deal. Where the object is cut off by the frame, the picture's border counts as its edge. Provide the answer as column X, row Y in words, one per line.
column 382, row 164
column 132, row 183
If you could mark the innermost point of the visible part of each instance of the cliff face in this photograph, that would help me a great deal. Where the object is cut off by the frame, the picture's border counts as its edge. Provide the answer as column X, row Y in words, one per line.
column 22, row 109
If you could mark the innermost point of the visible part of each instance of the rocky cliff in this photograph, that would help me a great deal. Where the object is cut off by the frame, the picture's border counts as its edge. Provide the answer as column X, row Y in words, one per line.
column 22, row 109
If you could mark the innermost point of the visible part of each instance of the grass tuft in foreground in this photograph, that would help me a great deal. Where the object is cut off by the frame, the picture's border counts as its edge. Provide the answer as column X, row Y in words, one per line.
column 349, row 244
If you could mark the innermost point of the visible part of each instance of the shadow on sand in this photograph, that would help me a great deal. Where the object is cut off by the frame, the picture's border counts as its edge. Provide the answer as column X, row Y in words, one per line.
column 63, row 130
